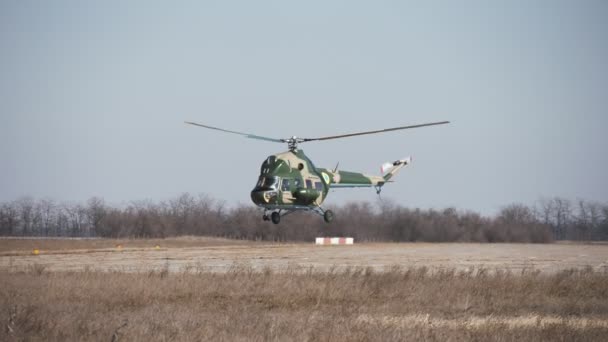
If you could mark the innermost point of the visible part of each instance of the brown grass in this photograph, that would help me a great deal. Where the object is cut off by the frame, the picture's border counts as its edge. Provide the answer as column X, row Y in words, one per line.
column 303, row 304
column 12, row 245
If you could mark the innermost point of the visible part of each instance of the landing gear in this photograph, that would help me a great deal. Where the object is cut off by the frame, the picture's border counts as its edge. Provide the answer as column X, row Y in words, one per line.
column 328, row 216
column 275, row 217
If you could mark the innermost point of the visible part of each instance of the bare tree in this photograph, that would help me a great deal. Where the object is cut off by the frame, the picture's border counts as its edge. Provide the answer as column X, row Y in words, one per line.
column 47, row 212
column 25, row 206
column 77, row 220
column 96, row 212
column 545, row 213
column 9, row 219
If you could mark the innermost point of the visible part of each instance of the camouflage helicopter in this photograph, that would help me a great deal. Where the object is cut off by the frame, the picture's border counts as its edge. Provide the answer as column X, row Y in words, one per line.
column 290, row 181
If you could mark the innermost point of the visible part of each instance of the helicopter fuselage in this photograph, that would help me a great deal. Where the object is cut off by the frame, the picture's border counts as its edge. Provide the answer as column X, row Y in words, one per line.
column 290, row 180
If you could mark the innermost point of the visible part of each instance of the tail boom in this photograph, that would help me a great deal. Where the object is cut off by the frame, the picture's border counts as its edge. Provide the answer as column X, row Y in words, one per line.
column 347, row 179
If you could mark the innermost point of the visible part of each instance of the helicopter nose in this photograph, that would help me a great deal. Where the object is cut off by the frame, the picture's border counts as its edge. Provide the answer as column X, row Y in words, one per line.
column 264, row 197
column 257, row 197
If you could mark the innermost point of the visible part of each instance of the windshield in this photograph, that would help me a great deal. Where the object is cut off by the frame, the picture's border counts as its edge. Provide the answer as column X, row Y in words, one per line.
column 267, row 183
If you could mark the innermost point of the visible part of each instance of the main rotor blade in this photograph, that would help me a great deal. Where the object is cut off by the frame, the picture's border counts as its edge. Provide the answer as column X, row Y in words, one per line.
column 247, row 135
column 377, row 131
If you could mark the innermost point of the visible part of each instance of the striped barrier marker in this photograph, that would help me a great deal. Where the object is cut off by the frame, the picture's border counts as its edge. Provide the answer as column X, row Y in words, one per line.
column 334, row 241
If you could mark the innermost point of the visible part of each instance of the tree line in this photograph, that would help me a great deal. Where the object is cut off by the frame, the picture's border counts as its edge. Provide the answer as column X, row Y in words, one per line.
column 547, row 220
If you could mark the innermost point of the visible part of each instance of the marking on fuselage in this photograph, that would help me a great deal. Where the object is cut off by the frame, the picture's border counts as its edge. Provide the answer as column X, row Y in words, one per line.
column 325, row 177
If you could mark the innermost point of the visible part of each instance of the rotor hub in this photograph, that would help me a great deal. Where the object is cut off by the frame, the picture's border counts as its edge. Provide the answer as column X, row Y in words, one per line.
column 292, row 143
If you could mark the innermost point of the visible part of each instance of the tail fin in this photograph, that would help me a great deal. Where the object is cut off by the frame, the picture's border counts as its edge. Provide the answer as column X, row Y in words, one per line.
column 391, row 169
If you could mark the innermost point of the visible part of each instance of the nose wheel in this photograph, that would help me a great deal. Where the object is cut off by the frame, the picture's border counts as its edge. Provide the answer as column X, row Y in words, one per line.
column 274, row 216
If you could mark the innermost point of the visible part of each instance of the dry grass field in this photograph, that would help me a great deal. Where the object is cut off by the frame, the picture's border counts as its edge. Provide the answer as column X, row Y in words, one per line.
column 11, row 245
column 220, row 254
column 211, row 289
column 349, row 305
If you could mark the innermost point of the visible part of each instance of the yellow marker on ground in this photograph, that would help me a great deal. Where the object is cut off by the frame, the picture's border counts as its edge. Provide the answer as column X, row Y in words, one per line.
column 157, row 247
column 36, row 251
column 118, row 246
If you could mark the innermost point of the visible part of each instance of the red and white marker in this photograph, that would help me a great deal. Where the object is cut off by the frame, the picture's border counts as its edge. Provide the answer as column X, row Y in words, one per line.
column 334, row 241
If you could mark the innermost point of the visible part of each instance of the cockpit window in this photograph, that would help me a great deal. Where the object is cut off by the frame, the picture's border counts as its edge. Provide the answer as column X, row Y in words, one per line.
column 285, row 185
column 267, row 183
column 318, row 186
column 268, row 164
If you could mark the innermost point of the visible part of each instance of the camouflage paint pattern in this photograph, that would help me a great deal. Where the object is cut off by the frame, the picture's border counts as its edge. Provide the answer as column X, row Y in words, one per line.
column 291, row 179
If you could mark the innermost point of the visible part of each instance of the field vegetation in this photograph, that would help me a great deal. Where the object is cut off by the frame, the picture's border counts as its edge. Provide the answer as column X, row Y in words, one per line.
column 303, row 304
column 22, row 245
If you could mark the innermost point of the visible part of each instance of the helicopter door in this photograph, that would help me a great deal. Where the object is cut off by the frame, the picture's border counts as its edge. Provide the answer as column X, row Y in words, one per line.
column 315, row 184
column 286, row 194
column 319, row 188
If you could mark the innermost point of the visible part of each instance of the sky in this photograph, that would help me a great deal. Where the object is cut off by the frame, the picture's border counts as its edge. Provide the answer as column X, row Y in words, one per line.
column 94, row 95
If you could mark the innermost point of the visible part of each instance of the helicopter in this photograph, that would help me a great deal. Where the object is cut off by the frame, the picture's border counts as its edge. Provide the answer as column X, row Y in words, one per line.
column 290, row 181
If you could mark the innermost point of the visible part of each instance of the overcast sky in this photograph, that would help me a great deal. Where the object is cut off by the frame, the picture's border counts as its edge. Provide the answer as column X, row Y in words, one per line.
column 93, row 96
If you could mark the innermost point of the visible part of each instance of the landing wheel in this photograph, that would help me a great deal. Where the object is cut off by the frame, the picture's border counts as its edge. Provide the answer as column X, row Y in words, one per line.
column 275, row 217
column 328, row 216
